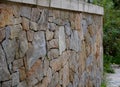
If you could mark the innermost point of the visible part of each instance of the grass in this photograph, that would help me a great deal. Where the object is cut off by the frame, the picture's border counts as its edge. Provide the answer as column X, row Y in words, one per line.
column 107, row 64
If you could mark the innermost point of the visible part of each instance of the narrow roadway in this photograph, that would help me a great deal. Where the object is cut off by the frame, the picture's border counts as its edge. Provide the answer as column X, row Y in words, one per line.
column 113, row 80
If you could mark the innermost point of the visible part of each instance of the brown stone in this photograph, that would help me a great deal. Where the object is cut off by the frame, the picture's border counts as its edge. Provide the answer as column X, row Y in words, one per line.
column 35, row 14
column 16, row 10
column 6, row 15
column 17, row 64
column 25, row 23
column 53, row 44
column 33, row 26
column 33, row 69
column 56, row 64
column 22, row 73
column 49, row 35
column 2, row 34
column 78, row 21
column 53, row 53
column 30, row 35
column 17, row 20
column 66, row 75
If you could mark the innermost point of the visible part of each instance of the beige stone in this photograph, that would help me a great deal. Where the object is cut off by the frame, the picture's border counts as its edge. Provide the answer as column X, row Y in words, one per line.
column 2, row 34
column 6, row 15
column 22, row 73
column 53, row 44
column 53, row 53
column 30, row 35
column 25, row 23
column 49, row 35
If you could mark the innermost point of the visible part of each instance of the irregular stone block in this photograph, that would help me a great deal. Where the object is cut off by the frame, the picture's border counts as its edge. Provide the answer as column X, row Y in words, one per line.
column 2, row 33
column 49, row 35
column 62, row 43
column 35, row 14
column 66, row 75
column 22, row 73
column 68, row 29
column 23, row 44
column 51, row 26
column 4, row 72
column 30, row 35
column 9, row 47
column 15, row 79
column 38, row 50
column 25, row 11
column 56, row 64
column 53, row 53
column 17, row 20
column 6, row 15
column 17, row 64
column 43, row 21
column 53, row 44
column 33, row 26
column 25, row 23
column 75, row 43
column 22, row 84
column 13, row 31
column 7, row 84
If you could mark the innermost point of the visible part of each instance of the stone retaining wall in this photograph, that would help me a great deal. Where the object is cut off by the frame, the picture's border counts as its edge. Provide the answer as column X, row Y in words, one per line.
column 46, row 47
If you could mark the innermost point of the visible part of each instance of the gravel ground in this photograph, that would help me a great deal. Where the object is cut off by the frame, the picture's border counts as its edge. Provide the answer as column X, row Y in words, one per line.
column 113, row 80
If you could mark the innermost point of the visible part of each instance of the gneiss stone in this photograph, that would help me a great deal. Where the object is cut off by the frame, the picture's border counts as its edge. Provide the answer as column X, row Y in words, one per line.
column 68, row 29
column 25, row 23
column 17, row 64
column 33, row 26
column 15, row 79
column 13, row 31
column 9, row 47
column 62, row 43
column 53, row 53
column 49, row 35
column 23, row 43
column 42, row 22
column 17, row 20
column 30, row 35
column 6, row 16
column 25, row 11
column 35, row 14
column 75, row 42
column 4, row 73
column 54, row 43
column 7, row 84
column 38, row 50
column 2, row 34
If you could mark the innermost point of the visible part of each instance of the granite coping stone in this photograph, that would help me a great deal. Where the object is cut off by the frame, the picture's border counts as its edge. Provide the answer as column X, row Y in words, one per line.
column 71, row 5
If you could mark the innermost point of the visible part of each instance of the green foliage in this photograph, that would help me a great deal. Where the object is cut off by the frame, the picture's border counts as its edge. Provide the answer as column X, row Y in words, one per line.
column 107, row 64
column 111, row 38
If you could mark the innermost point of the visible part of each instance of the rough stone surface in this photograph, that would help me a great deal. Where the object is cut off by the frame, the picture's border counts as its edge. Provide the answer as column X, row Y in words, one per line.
column 39, row 48
column 23, row 43
column 7, row 84
column 25, row 23
column 53, row 53
column 4, row 72
column 49, row 35
column 44, row 47
column 9, row 47
column 33, row 26
column 15, row 79
column 75, row 42
column 2, row 33
column 25, row 11
column 62, row 43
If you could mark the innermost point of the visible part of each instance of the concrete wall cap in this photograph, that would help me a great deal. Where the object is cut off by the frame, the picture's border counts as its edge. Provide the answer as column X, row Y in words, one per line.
column 77, row 5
